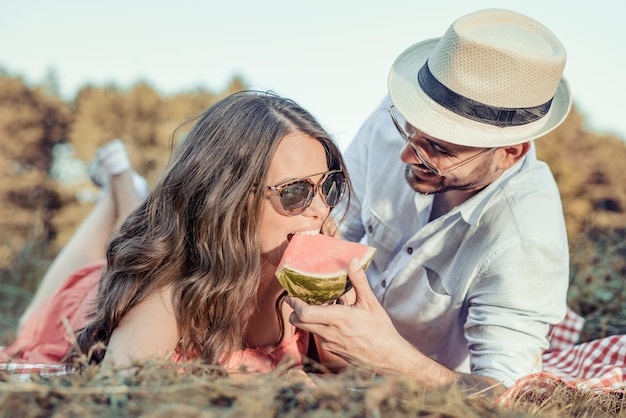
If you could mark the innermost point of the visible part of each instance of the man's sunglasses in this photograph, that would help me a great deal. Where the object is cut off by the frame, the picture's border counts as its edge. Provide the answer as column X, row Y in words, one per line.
column 296, row 195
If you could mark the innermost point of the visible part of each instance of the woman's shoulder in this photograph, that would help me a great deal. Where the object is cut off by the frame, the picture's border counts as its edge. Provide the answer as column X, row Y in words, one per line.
column 148, row 331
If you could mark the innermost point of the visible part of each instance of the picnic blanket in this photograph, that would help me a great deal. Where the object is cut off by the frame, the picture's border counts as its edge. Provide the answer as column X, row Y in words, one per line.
column 597, row 366
column 22, row 372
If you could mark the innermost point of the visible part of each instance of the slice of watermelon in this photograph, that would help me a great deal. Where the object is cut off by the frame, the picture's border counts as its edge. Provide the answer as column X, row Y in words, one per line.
column 314, row 268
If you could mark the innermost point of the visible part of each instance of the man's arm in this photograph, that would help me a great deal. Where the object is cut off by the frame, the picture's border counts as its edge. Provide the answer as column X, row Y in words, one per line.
column 363, row 334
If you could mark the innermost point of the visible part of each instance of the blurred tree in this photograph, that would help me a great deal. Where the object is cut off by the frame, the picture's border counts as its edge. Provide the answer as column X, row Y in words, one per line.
column 590, row 170
column 31, row 123
column 39, row 214
column 50, row 84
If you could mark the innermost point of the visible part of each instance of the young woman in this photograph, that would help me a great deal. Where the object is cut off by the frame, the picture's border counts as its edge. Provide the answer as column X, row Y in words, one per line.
column 190, row 274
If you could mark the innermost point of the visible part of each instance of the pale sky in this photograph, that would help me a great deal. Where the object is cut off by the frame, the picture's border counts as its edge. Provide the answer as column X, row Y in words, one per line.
column 331, row 56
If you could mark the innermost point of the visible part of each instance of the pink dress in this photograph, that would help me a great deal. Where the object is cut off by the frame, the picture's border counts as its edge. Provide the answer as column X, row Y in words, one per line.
column 44, row 338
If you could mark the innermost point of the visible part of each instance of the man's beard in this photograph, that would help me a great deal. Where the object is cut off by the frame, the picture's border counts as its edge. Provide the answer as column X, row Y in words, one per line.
column 433, row 184
column 437, row 185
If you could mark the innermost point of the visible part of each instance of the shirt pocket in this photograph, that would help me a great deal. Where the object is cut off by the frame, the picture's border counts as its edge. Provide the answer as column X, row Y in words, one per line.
column 418, row 301
column 435, row 283
column 382, row 237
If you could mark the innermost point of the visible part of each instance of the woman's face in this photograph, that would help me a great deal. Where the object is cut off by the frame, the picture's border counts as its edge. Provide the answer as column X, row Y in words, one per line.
column 298, row 155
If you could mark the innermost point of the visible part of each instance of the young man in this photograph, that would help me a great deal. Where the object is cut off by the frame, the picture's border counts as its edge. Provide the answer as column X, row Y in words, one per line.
column 471, row 267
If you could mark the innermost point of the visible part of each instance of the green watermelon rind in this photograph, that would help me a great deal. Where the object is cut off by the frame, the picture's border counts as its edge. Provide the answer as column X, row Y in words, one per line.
column 312, row 290
column 319, row 288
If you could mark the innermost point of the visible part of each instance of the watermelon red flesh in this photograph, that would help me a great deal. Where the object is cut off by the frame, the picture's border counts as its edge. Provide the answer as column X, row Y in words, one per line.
column 315, row 267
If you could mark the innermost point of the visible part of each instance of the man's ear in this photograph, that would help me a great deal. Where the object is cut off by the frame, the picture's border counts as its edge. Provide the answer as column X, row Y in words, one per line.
column 512, row 154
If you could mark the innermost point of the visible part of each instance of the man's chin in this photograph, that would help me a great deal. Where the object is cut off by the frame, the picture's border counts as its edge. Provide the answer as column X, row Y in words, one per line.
column 422, row 185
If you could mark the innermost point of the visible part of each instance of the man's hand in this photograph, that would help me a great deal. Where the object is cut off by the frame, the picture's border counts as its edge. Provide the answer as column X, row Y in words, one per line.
column 360, row 332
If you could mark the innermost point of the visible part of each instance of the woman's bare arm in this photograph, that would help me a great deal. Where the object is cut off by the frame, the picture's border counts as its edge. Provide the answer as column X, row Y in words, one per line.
column 148, row 332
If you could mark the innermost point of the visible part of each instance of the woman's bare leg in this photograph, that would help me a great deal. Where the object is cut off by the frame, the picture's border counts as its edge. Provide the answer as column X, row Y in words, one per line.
column 118, row 199
column 125, row 194
column 86, row 245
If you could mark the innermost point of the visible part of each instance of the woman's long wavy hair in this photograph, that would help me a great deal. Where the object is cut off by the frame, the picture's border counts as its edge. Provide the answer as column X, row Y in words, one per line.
column 198, row 231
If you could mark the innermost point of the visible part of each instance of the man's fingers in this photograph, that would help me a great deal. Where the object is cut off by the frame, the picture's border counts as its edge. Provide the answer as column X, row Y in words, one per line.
column 348, row 298
column 359, row 282
column 313, row 314
column 295, row 303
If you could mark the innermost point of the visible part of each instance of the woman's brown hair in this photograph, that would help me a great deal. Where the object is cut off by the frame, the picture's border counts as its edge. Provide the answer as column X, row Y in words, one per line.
column 197, row 232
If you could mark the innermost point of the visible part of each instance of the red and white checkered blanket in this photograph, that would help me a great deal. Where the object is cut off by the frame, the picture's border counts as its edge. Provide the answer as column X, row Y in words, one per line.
column 24, row 372
column 598, row 366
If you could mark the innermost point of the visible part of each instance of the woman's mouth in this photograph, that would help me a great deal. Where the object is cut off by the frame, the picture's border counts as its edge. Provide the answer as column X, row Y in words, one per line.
column 309, row 232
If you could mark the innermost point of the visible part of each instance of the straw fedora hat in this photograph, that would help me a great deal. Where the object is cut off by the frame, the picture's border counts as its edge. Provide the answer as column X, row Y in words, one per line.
column 495, row 78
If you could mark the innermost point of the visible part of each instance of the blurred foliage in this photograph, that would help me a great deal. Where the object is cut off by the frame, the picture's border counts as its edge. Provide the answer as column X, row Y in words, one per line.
column 39, row 213
column 598, row 286
column 590, row 170
column 33, row 120
column 157, row 390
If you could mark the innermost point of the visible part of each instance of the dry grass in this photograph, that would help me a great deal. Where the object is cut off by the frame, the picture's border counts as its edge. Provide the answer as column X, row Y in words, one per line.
column 157, row 390
column 597, row 291
column 598, row 282
column 38, row 217
column 162, row 391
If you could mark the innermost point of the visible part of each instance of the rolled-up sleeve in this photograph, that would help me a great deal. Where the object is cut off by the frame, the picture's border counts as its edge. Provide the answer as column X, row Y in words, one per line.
column 518, row 295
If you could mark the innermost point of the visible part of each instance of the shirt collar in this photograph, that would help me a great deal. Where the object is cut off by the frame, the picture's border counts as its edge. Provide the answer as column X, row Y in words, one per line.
column 472, row 210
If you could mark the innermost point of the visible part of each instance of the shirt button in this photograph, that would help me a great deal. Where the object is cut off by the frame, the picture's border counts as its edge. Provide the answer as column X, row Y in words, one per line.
column 384, row 283
column 409, row 250
column 370, row 229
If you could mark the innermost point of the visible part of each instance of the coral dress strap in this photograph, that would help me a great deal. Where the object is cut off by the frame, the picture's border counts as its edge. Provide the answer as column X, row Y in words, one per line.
column 290, row 352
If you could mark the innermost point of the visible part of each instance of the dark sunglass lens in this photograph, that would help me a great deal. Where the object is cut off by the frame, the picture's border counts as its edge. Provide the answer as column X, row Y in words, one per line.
column 332, row 188
column 295, row 197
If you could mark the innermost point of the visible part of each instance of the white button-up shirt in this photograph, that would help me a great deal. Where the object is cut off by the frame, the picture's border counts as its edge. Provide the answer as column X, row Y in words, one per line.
column 477, row 288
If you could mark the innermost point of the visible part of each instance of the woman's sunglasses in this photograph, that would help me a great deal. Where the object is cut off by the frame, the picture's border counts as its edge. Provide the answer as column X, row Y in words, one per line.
column 296, row 195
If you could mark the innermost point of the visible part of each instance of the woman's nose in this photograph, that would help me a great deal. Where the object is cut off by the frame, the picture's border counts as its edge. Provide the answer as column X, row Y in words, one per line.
column 317, row 207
